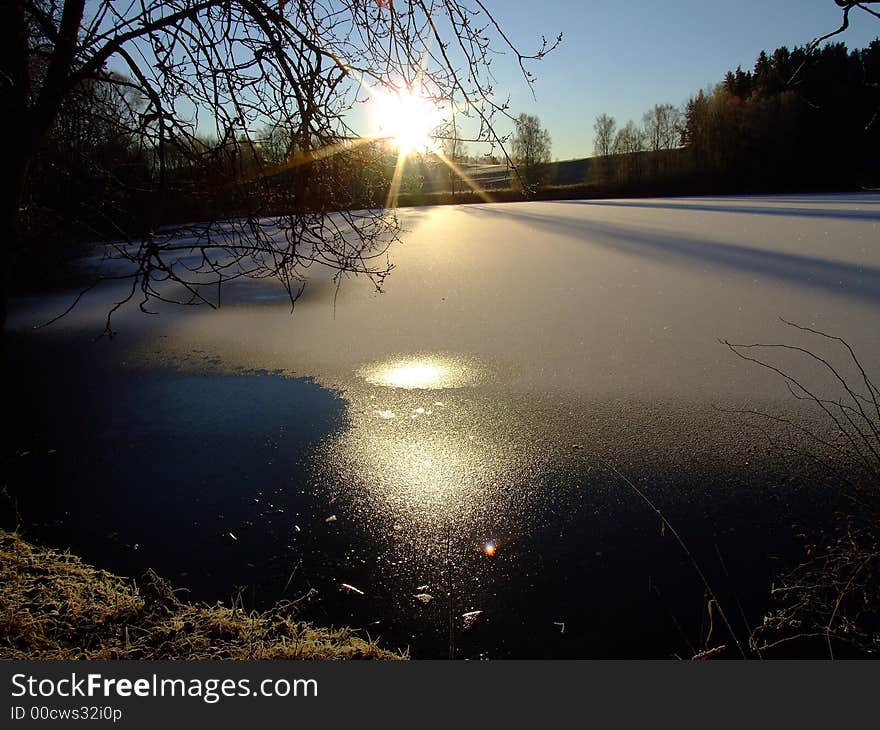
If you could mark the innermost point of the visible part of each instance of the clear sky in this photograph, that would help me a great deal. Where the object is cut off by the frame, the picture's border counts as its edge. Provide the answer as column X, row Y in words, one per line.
column 623, row 57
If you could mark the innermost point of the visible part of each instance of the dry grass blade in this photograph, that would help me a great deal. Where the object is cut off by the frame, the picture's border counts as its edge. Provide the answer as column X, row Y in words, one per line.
column 55, row 606
column 832, row 599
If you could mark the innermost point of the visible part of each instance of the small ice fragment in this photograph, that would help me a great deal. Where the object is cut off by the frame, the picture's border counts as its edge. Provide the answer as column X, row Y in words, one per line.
column 422, row 588
column 386, row 415
column 351, row 589
column 331, row 518
column 420, row 411
column 232, row 536
column 296, row 528
column 424, row 597
column 469, row 618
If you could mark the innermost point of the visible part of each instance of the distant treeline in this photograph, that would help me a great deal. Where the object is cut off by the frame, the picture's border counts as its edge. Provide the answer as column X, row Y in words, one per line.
column 101, row 174
column 798, row 120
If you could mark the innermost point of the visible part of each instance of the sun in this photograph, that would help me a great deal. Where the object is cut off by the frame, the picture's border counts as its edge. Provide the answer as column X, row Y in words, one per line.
column 406, row 118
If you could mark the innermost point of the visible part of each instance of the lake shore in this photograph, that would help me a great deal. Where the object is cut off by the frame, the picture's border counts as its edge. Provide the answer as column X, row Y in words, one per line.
column 527, row 367
column 55, row 606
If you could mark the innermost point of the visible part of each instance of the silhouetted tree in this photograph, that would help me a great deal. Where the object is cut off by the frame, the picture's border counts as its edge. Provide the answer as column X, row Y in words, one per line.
column 662, row 126
column 603, row 140
column 201, row 79
column 760, row 130
column 531, row 150
column 455, row 150
column 662, row 129
column 738, row 84
column 628, row 143
column 603, row 144
column 277, row 144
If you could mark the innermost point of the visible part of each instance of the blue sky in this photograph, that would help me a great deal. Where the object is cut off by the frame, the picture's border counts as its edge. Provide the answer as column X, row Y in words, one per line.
column 623, row 57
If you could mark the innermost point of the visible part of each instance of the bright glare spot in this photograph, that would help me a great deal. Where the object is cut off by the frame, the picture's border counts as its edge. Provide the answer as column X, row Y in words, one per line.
column 428, row 372
column 489, row 548
column 414, row 376
column 407, row 118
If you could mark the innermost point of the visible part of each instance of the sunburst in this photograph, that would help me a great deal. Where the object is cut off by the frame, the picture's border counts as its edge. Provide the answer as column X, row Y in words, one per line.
column 409, row 121
column 407, row 118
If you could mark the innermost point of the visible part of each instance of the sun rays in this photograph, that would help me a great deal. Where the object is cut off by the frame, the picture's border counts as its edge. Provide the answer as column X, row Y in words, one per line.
column 410, row 122
column 407, row 118
column 401, row 120
column 468, row 180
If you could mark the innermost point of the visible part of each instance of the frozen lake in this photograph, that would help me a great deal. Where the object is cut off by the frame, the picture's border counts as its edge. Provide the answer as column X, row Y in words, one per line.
column 520, row 356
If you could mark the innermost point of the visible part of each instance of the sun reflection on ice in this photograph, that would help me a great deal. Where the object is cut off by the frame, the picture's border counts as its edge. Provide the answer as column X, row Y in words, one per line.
column 428, row 449
column 421, row 372
column 416, row 375
column 421, row 455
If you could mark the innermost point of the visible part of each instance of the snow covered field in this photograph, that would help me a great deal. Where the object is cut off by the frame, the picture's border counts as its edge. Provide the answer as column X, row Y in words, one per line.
column 604, row 298
column 599, row 297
